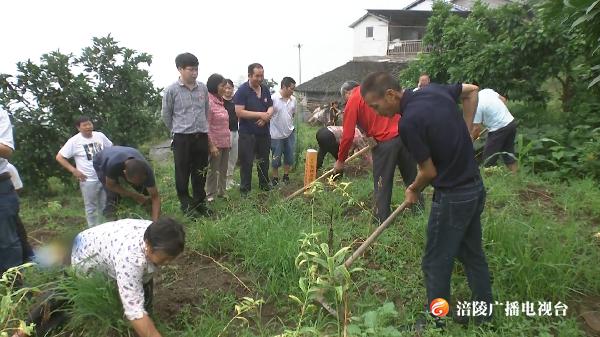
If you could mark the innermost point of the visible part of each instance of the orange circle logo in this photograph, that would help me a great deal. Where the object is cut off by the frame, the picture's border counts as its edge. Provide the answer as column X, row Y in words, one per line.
column 439, row 307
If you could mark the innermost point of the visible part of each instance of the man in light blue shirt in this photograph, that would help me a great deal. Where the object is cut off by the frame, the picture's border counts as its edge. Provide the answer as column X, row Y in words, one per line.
column 494, row 115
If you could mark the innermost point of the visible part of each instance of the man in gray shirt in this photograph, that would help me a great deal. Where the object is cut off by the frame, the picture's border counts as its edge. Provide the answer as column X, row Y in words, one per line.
column 184, row 109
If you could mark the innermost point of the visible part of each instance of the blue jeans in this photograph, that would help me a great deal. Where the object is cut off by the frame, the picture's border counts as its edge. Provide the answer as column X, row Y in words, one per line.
column 283, row 147
column 454, row 231
column 11, row 251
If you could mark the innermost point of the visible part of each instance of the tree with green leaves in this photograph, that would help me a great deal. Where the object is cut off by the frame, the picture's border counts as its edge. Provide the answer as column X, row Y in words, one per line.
column 107, row 82
column 511, row 49
column 578, row 16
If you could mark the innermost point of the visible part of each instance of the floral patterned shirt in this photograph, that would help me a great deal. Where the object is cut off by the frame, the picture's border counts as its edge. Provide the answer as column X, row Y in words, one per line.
column 117, row 249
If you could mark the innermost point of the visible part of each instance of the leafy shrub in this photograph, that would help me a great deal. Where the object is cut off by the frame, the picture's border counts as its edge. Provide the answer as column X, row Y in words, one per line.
column 107, row 82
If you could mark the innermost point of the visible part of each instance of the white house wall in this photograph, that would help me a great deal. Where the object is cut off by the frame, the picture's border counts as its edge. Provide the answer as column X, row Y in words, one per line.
column 371, row 46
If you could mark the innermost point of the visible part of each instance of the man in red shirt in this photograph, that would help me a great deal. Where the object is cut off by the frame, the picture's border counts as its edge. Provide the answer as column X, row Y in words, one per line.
column 387, row 154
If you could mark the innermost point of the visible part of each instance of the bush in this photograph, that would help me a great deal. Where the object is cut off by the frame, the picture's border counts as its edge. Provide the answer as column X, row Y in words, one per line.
column 107, row 82
column 565, row 153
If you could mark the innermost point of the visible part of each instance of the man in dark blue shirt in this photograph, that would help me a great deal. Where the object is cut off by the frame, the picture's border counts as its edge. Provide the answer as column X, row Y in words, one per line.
column 129, row 164
column 254, row 108
column 437, row 136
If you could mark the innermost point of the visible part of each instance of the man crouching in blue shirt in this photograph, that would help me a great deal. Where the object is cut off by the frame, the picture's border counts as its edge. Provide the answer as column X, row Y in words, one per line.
column 437, row 136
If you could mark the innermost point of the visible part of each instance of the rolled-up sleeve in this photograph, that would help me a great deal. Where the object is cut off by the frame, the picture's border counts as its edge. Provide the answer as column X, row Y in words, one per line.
column 129, row 274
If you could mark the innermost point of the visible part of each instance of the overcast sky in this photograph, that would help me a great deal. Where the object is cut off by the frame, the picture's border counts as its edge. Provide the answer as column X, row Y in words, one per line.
column 226, row 36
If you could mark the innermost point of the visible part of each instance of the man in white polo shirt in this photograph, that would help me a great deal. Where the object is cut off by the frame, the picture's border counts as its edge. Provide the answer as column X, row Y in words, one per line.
column 283, row 136
column 83, row 147
column 494, row 115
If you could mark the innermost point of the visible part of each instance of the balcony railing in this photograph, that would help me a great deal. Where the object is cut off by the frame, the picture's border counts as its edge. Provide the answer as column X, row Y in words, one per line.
column 406, row 47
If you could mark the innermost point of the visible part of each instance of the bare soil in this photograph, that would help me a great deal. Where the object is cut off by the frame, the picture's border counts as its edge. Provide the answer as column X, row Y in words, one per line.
column 588, row 311
column 186, row 281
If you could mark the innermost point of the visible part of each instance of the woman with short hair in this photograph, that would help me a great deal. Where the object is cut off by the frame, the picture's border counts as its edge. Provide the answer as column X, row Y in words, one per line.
column 219, row 138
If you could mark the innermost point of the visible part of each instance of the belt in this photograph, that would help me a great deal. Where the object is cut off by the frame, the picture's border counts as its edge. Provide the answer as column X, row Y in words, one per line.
column 4, row 176
column 192, row 135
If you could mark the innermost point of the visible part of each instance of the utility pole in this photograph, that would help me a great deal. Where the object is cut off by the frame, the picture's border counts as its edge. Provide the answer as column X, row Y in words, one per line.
column 299, row 65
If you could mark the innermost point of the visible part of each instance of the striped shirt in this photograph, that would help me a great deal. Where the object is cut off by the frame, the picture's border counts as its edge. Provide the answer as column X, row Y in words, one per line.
column 218, row 123
column 185, row 110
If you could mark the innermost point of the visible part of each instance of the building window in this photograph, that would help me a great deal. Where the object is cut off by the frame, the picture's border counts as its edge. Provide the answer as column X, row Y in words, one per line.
column 369, row 31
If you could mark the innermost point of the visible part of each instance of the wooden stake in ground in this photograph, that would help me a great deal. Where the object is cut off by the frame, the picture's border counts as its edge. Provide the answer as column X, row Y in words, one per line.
column 326, row 174
column 310, row 167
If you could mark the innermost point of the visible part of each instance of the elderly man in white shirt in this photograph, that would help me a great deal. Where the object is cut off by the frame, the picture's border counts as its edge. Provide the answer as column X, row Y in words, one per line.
column 283, row 135
column 494, row 115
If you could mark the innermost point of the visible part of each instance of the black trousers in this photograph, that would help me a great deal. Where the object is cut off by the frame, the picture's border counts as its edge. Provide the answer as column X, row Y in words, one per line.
column 501, row 141
column 327, row 144
column 191, row 159
column 250, row 147
column 387, row 156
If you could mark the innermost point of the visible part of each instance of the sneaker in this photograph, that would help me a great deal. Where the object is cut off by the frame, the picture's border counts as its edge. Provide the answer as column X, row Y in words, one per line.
column 210, row 199
column 275, row 181
column 286, row 179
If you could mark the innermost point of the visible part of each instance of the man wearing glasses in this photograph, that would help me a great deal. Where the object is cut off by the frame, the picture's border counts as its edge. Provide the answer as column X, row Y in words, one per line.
column 184, row 108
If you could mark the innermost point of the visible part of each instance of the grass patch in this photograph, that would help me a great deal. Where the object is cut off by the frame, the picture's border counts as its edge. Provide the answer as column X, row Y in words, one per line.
column 538, row 237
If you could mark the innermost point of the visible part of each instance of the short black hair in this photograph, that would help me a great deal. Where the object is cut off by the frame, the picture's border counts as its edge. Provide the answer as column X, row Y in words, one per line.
column 230, row 82
column 136, row 168
column 287, row 82
column 213, row 83
column 378, row 82
column 254, row 66
column 81, row 119
column 166, row 235
column 186, row 60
